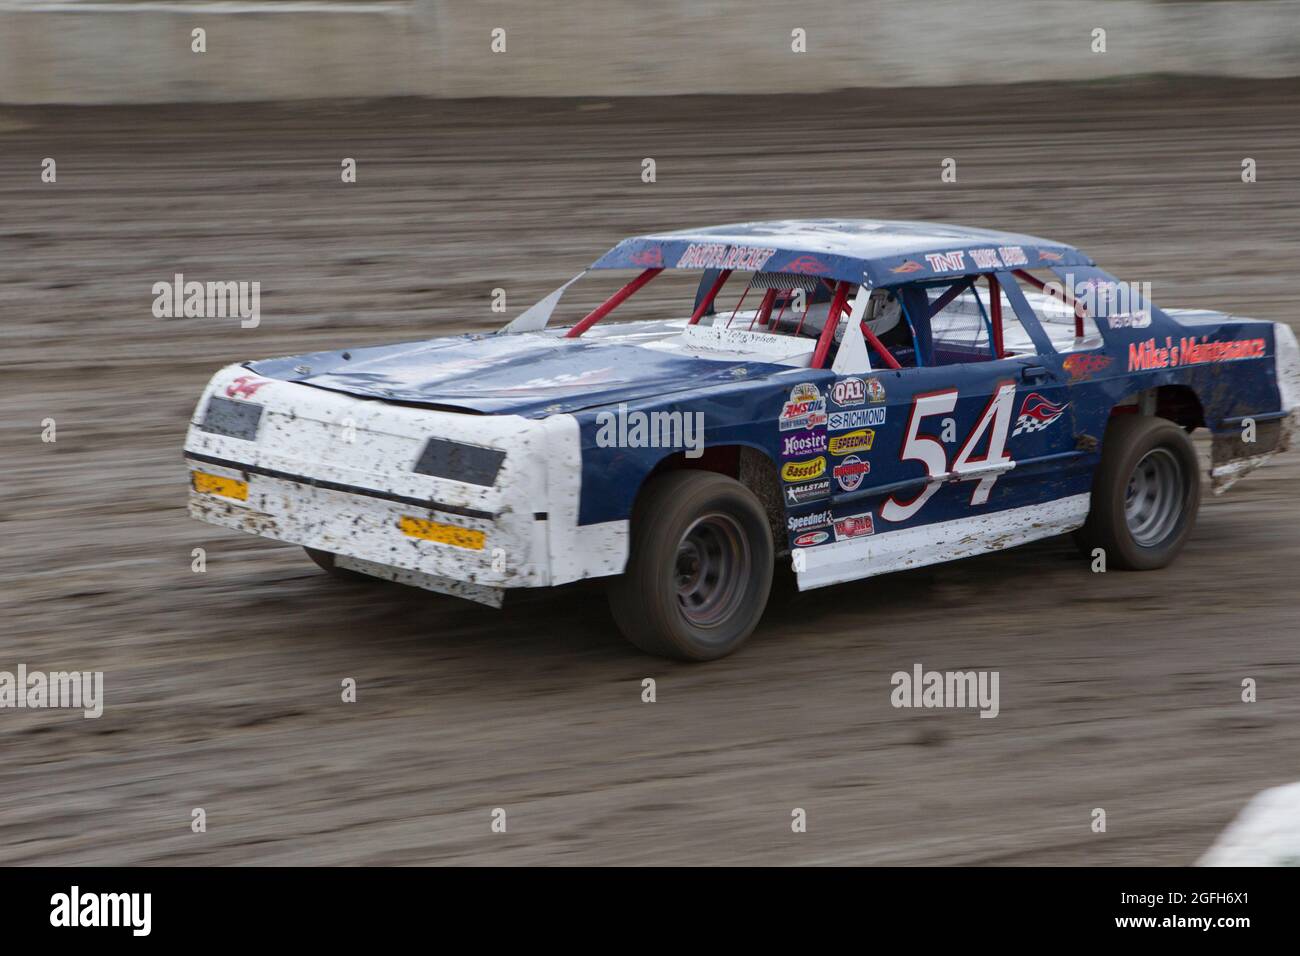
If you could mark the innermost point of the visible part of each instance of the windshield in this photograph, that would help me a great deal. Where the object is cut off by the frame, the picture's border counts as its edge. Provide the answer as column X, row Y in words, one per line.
column 761, row 302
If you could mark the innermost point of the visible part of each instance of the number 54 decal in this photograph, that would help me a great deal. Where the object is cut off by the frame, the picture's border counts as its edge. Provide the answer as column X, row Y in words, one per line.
column 995, row 420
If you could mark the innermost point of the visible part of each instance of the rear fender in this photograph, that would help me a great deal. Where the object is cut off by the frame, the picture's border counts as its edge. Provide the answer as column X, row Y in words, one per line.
column 1251, row 441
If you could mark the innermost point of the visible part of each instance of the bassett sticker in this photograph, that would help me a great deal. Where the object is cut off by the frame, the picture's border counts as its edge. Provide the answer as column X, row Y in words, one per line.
column 804, row 470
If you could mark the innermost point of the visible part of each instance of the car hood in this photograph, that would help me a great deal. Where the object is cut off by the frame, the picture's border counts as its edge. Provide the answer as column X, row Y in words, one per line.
column 530, row 374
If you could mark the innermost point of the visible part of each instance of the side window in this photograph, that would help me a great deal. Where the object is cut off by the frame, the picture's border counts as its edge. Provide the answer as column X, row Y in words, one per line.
column 960, row 324
column 968, row 325
column 963, row 320
column 1056, row 316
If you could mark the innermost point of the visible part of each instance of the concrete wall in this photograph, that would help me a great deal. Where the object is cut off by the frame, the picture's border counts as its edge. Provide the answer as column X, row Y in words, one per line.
column 140, row 52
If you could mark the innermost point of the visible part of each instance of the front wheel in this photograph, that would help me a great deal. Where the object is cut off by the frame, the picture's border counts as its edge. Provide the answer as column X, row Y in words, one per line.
column 1145, row 494
column 700, row 567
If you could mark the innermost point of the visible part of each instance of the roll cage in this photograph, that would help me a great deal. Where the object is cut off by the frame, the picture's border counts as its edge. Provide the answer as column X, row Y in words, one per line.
column 917, row 309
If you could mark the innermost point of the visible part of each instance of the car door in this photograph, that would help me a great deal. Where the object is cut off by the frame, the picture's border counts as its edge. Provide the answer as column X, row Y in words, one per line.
column 939, row 461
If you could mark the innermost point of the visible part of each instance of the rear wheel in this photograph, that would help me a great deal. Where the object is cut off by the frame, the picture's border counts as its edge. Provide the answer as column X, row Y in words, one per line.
column 326, row 561
column 700, row 567
column 1145, row 494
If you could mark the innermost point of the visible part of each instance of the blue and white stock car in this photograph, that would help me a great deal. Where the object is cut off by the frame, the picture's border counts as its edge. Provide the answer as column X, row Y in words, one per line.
column 877, row 396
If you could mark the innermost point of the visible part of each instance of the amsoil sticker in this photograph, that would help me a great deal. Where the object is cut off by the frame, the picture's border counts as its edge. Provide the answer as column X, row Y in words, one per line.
column 805, row 409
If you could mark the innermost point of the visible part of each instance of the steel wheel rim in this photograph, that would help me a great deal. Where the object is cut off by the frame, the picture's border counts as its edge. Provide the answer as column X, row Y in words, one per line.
column 712, row 566
column 1153, row 502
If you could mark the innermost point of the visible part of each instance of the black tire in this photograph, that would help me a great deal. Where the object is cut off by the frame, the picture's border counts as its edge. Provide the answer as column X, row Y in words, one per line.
column 1142, row 518
column 700, row 568
column 326, row 561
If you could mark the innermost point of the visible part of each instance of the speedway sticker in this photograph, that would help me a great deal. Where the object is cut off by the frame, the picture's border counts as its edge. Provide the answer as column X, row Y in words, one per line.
column 849, row 442
column 1036, row 413
column 858, row 418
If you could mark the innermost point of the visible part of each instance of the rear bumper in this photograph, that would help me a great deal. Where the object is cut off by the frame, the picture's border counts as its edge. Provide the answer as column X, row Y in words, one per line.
column 335, row 473
column 1232, row 458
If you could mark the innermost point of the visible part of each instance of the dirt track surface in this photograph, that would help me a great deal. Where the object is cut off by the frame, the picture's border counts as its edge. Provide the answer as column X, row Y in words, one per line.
column 1118, row 691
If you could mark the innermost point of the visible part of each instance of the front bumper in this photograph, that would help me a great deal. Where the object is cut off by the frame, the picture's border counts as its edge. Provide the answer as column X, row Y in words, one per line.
column 335, row 473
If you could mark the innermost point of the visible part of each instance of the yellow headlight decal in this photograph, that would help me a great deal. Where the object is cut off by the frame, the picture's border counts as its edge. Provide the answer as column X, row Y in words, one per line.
column 451, row 534
column 206, row 484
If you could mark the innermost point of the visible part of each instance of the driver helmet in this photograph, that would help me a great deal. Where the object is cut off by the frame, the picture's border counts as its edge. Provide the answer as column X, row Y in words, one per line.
column 883, row 312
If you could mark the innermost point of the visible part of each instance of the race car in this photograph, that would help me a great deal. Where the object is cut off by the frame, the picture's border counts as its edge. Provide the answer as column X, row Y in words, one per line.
column 856, row 397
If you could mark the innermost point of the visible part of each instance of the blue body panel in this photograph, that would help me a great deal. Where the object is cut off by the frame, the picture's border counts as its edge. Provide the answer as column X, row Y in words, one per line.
column 888, row 253
column 532, row 374
column 838, row 442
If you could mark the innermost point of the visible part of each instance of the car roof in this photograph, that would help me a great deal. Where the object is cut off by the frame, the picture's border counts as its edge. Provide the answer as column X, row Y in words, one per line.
column 888, row 252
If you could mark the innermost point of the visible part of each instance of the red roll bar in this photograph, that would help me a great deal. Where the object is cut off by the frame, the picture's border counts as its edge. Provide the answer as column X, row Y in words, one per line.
column 612, row 303
column 707, row 301
column 832, row 319
column 995, row 316
column 879, row 346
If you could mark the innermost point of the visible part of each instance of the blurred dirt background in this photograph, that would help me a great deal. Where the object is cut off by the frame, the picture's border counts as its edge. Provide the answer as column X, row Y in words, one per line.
column 1119, row 691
